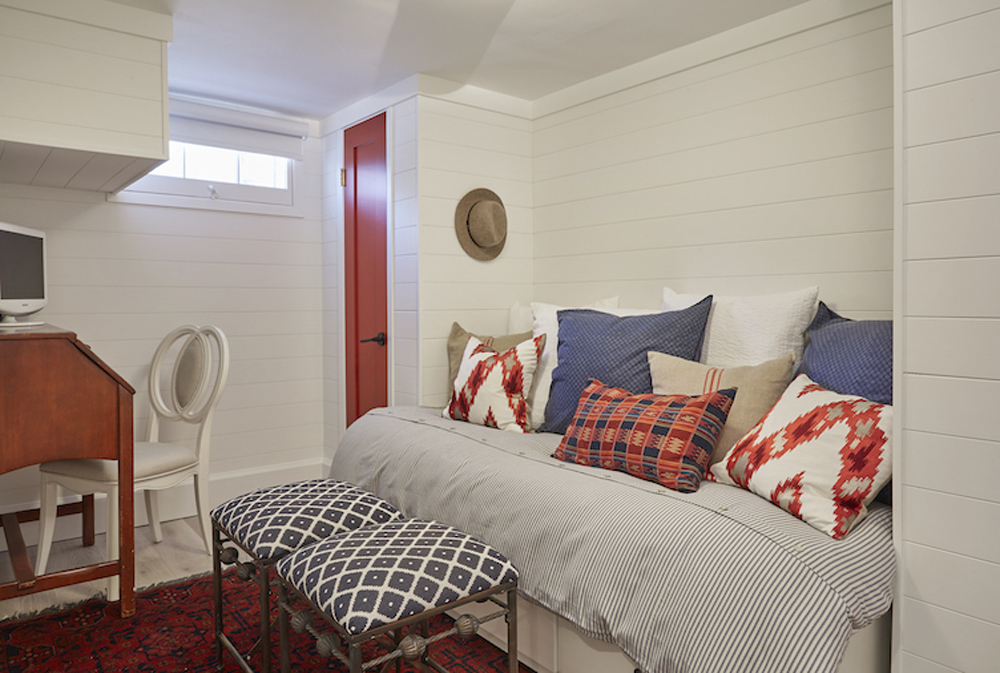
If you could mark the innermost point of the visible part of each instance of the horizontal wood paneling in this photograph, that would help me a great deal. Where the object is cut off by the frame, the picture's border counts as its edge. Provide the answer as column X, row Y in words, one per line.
column 952, row 406
column 405, row 253
column 954, row 287
column 959, row 583
column 949, row 639
column 959, row 109
column 942, row 463
column 461, row 148
column 963, row 178
column 952, row 347
column 923, row 14
column 53, row 26
column 952, row 229
column 780, row 61
column 952, row 523
column 770, row 168
column 970, row 45
column 58, row 65
column 810, row 143
column 914, row 664
column 950, row 326
column 94, row 94
column 818, row 179
column 822, row 102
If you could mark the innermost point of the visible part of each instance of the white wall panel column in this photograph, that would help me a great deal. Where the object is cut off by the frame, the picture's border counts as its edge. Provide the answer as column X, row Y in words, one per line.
column 948, row 315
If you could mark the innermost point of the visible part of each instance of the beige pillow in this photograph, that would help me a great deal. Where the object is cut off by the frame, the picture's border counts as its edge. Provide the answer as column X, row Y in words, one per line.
column 459, row 338
column 757, row 389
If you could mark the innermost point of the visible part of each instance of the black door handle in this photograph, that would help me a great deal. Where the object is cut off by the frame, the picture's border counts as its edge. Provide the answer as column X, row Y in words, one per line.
column 378, row 338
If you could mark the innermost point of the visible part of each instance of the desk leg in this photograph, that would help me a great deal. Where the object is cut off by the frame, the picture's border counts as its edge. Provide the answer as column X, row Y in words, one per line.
column 126, row 511
column 88, row 520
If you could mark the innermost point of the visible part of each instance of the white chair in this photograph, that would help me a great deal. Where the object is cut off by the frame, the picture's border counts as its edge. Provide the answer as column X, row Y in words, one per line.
column 198, row 377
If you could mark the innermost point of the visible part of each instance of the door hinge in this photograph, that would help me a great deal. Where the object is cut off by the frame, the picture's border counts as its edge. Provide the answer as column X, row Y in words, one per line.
column 343, row 177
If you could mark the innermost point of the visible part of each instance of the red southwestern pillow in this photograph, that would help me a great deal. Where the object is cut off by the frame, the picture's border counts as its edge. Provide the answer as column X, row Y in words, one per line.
column 819, row 455
column 667, row 439
column 491, row 388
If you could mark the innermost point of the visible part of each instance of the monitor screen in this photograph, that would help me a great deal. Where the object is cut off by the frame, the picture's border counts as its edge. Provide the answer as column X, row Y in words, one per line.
column 22, row 266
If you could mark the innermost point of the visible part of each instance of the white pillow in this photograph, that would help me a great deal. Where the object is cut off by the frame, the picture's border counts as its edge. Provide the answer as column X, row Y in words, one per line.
column 522, row 319
column 745, row 331
column 546, row 321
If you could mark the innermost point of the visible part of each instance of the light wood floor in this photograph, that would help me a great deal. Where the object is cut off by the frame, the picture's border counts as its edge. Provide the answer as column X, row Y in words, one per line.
column 181, row 554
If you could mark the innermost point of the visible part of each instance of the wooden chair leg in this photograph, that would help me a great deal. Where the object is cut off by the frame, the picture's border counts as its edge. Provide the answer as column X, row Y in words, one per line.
column 201, row 504
column 46, row 525
column 153, row 514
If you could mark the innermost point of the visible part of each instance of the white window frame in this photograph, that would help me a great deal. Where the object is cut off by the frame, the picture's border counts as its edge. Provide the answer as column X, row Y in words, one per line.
column 216, row 125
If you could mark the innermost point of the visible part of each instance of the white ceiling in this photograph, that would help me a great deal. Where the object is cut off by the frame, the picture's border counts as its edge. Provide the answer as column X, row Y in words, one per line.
column 314, row 57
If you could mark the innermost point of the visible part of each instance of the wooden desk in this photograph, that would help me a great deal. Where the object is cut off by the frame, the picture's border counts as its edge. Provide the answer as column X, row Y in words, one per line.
column 58, row 400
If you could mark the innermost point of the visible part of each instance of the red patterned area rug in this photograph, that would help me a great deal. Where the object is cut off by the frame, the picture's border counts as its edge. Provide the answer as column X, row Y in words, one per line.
column 172, row 631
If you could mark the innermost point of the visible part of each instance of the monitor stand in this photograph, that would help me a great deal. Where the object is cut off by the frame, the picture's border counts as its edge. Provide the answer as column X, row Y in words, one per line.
column 10, row 322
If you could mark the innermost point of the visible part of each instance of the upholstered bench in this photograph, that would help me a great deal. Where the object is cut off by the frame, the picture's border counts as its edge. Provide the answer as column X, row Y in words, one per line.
column 380, row 582
column 270, row 523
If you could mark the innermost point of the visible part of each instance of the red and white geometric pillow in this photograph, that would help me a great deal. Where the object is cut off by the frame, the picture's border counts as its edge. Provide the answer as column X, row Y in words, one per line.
column 819, row 455
column 492, row 388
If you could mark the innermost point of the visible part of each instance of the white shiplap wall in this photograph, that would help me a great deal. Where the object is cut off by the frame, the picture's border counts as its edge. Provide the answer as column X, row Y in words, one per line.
column 463, row 147
column 333, row 299
column 949, row 310
column 405, row 250
column 764, row 169
column 122, row 275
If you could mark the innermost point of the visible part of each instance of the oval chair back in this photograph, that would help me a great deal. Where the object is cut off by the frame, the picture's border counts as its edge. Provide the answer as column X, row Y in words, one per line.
column 196, row 382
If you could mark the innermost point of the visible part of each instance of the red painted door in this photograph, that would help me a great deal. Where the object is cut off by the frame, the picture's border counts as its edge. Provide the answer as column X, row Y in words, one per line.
column 365, row 266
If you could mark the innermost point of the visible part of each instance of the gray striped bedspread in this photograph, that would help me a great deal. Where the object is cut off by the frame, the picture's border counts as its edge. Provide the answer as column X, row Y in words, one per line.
column 712, row 581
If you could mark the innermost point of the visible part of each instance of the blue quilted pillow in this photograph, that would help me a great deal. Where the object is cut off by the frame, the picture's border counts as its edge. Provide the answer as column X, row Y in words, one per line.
column 612, row 349
column 850, row 357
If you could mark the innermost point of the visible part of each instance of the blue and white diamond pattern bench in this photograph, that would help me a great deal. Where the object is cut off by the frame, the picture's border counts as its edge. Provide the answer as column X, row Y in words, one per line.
column 270, row 523
column 388, row 578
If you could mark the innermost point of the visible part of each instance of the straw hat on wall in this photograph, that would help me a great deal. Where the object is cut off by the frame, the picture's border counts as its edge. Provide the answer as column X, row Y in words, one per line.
column 481, row 224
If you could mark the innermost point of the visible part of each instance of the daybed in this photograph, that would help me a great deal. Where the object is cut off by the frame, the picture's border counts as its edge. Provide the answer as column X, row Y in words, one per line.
column 718, row 579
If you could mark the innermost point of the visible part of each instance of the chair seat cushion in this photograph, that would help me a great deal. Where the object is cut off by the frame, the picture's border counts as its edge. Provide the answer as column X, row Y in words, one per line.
column 149, row 458
column 380, row 574
column 273, row 521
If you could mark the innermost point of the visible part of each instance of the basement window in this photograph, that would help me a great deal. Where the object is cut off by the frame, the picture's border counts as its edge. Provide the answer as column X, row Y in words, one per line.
column 225, row 159
column 220, row 173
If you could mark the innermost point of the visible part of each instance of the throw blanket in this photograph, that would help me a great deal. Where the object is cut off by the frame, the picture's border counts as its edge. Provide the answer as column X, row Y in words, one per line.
column 716, row 580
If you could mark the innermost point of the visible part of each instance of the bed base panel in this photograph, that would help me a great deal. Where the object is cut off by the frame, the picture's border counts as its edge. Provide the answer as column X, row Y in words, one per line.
column 550, row 644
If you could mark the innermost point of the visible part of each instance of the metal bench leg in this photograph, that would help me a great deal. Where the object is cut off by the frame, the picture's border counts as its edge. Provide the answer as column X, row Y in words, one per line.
column 263, row 572
column 283, row 636
column 512, row 665
column 217, row 594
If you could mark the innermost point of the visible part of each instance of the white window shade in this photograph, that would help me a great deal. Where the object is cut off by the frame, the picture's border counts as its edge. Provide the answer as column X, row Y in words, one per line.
column 209, row 124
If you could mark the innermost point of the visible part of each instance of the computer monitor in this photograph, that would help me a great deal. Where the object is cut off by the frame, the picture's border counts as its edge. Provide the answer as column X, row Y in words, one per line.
column 23, row 283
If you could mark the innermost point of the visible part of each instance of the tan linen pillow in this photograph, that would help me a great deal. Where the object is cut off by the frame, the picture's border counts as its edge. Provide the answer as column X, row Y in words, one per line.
column 758, row 388
column 459, row 338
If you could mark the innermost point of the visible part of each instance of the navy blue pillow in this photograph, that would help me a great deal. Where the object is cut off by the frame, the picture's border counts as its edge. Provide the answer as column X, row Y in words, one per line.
column 850, row 357
column 593, row 344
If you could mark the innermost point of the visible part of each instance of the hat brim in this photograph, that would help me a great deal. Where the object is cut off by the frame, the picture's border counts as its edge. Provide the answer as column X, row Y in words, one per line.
column 470, row 246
